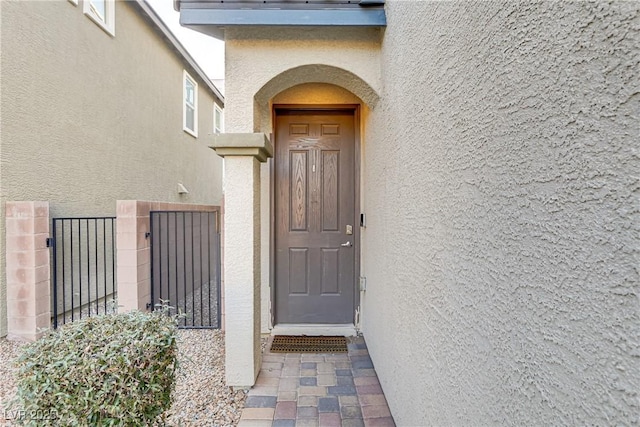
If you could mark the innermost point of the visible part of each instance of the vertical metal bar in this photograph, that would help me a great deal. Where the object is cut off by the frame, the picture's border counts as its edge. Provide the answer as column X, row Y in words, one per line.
column 95, row 232
column 64, row 282
column 55, row 279
column 113, row 256
column 193, row 269
column 218, row 264
column 72, row 275
column 64, row 267
column 204, row 244
column 64, row 299
column 214, row 258
column 184, row 263
column 208, row 265
column 175, row 253
column 156, row 238
column 152, row 249
column 168, row 258
column 160, row 243
column 104, row 260
column 80, row 265
column 194, row 265
column 88, row 272
column 165, row 245
column 184, row 285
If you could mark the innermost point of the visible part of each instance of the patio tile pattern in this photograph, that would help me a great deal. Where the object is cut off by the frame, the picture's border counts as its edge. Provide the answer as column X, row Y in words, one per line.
column 321, row 390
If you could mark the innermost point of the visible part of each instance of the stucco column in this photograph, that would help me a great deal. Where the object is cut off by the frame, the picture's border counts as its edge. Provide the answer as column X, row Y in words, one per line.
column 28, row 283
column 242, row 154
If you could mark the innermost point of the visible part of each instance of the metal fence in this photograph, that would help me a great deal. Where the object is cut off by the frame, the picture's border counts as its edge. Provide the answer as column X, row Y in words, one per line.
column 84, row 268
column 185, row 265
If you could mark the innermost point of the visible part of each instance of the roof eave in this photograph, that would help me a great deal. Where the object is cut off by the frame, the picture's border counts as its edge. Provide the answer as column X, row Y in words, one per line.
column 214, row 21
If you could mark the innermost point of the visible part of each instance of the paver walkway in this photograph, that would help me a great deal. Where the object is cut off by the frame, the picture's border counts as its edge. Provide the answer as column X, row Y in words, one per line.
column 322, row 390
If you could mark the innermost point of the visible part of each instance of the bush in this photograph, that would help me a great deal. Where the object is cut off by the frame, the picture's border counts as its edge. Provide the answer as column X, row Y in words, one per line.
column 114, row 369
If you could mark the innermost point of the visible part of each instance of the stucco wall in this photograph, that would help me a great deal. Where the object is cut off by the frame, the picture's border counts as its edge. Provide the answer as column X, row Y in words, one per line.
column 255, row 57
column 88, row 118
column 501, row 189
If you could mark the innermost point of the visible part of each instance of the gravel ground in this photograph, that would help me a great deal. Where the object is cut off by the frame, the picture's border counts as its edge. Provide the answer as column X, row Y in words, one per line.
column 8, row 352
column 201, row 397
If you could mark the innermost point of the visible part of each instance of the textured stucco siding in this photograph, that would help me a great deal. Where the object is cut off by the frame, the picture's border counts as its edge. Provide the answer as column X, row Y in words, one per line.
column 256, row 57
column 88, row 118
column 242, row 270
column 502, row 199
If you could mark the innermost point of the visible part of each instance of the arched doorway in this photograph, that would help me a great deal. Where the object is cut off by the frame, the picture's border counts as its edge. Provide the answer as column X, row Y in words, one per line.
column 316, row 279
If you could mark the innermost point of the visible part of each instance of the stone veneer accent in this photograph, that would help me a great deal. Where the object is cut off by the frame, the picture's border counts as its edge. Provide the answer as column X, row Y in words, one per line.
column 27, row 270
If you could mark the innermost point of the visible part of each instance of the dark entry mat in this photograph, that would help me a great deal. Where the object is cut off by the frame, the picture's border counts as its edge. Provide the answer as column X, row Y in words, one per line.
column 293, row 344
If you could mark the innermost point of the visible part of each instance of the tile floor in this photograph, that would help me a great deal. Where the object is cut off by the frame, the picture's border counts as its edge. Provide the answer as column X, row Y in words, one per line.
column 322, row 390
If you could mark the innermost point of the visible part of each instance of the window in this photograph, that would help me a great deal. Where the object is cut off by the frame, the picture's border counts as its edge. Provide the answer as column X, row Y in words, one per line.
column 102, row 12
column 190, row 106
column 217, row 119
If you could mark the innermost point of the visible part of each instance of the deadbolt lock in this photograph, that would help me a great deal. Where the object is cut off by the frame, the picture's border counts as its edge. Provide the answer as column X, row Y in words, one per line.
column 349, row 229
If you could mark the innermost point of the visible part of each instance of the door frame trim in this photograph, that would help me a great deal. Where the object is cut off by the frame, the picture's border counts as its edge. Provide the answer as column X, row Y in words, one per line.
column 356, row 108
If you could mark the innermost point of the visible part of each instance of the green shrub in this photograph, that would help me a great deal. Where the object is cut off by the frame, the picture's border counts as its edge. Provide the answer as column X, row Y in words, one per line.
column 115, row 369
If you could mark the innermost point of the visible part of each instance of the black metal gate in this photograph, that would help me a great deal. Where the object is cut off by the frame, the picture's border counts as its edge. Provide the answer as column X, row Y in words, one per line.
column 185, row 265
column 84, row 268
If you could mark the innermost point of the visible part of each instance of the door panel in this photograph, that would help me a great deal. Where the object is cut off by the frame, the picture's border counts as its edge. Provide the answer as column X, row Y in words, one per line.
column 314, row 203
column 330, row 195
column 298, row 269
column 299, row 202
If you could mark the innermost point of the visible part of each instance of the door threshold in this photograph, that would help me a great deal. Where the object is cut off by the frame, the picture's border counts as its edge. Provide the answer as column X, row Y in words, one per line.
column 313, row 329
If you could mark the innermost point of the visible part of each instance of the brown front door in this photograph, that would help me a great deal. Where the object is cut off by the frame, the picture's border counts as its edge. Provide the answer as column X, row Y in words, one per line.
column 315, row 225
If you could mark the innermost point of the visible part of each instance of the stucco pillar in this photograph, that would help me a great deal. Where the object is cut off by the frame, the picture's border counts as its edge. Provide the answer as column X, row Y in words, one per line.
column 242, row 154
column 133, row 254
column 28, row 283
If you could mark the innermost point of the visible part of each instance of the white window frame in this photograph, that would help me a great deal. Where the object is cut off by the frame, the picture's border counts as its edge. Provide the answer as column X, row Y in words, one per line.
column 108, row 22
column 218, row 127
column 186, row 77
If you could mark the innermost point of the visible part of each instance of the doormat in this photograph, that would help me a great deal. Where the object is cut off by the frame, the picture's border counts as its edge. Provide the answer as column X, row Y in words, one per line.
column 295, row 344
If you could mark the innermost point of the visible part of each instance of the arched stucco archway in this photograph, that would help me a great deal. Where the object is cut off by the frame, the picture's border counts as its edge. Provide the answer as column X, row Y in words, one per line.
column 312, row 73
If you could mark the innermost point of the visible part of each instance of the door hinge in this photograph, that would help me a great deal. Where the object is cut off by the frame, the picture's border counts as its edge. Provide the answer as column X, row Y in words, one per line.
column 50, row 242
column 363, row 283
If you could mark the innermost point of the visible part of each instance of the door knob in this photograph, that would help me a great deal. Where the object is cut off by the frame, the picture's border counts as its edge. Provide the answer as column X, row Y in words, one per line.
column 347, row 245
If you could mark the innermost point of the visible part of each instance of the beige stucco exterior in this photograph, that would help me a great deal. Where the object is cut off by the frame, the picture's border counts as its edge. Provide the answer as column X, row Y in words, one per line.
column 243, row 153
column 88, row 118
column 499, row 178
